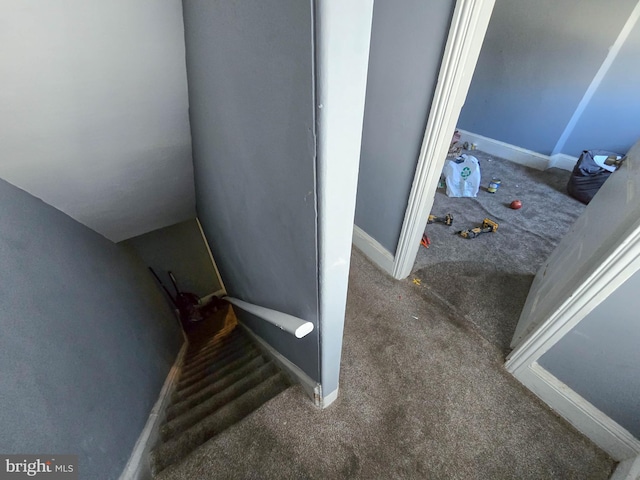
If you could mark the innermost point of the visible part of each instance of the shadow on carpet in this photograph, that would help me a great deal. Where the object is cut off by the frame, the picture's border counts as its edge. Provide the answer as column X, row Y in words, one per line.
column 486, row 280
column 487, row 297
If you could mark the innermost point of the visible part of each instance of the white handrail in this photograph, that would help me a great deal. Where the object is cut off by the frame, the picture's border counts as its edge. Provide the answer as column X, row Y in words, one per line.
column 294, row 325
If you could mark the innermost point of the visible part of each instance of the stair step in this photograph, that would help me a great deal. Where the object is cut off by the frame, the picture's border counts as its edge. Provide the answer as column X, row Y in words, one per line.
column 201, row 348
column 204, row 354
column 217, row 401
column 214, row 366
column 192, row 367
column 180, row 407
column 187, row 391
column 180, row 446
column 199, row 339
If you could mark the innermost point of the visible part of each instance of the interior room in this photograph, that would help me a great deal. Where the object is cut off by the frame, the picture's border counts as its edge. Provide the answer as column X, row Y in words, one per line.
column 544, row 89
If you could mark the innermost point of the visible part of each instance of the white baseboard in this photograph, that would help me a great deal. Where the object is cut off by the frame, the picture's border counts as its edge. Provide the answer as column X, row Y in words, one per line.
column 329, row 398
column 138, row 467
column 627, row 470
column 516, row 154
column 310, row 386
column 593, row 423
column 372, row 249
column 563, row 161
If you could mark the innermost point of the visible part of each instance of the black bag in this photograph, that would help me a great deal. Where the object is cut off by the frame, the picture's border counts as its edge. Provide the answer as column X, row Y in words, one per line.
column 587, row 176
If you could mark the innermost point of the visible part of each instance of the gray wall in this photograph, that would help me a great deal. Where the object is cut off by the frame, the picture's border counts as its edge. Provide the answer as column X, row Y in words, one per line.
column 599, row 358
column 94, row 116
column 179, row 248
column 87, row 339
column 537, row 61
column 407, row 43
column 611, row 120
column 251, row 92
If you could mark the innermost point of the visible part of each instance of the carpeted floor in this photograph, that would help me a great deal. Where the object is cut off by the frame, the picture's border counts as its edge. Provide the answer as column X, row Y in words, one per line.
column 486, row 280
column 422, row 396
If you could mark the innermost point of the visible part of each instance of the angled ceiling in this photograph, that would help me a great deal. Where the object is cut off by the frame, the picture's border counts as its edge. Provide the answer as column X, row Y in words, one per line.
column 94, row 116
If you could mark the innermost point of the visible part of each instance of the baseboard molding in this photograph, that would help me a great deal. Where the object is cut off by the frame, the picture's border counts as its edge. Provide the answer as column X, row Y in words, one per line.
column 593, row 423
column 310, row 386
column 213, row 261
column 329, row 398
column 516, row 154
column 627, row 470
column 563, row 161
column 372, row 249
column 138, row 467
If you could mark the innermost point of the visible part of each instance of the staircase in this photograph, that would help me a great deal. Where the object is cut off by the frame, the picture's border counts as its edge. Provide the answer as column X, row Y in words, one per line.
column 224, row 378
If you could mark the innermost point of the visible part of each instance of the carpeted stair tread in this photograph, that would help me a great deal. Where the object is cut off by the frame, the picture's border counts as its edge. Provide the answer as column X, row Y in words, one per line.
column 213, row 388
column 213, row 367
column 191, row 368
column 204, row 350
column 186, row 392
column 198, row 344
column 180, row 446
column 206, row 353
column 199, row 353
column 217, row 401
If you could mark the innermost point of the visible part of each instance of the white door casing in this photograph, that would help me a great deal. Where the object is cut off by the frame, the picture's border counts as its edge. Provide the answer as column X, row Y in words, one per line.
column 600, row 252
column 468, row 28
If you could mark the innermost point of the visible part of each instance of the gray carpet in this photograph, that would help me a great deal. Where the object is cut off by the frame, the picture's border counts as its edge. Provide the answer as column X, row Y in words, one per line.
column 423, row 396
column 486, row 280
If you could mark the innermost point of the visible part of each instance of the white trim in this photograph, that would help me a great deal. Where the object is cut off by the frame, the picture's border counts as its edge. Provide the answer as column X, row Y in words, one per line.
column 627, row 470
column 597, row 80
column 563, row 161
column 466, row 34
column 372, row 249
column 308, row 384
column 507, row 151
column 138, row 467
column 519, row 155
column 329, row 398
column 597, row 426
column 614, row 267
column 614, row 270
column 213, row 262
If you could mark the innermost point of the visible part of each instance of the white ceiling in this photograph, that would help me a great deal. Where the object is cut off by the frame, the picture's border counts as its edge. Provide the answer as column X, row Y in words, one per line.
column 94, row 111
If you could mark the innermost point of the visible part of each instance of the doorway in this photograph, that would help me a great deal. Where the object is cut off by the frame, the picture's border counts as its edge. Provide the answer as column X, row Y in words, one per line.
column 574, row 295
column 501, row 103
column 486, row 279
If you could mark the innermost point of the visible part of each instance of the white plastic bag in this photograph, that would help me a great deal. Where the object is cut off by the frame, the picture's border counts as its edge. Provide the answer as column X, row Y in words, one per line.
column 463, row 179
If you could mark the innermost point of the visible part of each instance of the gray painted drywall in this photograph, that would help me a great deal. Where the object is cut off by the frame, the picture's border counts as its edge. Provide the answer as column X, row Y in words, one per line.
column 251, row 91
column 342, row 39
column 181, row 249
column 537, row 60
column 87, row 339
column 94, row 116
column 611, row 120
column 407, row 43
column 600, row 359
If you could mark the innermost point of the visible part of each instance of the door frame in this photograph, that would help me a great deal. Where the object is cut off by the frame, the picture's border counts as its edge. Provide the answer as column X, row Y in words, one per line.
column 523, row 364
column 466, row 34
column 468, row 28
